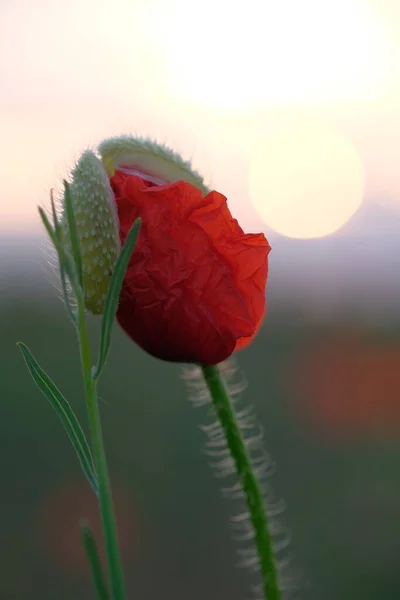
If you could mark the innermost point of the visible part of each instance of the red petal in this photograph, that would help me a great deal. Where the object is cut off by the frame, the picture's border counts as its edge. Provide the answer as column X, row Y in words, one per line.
column 195, row 286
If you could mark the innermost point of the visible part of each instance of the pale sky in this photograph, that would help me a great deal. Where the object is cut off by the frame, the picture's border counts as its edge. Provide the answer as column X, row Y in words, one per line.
column 291, row 109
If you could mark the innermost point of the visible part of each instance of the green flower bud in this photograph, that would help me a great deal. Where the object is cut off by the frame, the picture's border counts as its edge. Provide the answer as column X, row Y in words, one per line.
column 97, row 228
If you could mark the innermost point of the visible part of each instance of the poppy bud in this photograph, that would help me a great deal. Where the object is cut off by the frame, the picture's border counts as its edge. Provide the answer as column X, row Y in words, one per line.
column 97, row 228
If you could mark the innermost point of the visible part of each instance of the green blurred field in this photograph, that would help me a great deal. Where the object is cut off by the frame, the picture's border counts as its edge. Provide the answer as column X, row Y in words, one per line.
column 339, row 474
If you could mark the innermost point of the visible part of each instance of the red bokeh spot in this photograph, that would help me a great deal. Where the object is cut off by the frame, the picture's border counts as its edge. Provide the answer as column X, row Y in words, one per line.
column 58, row 526
column 348, row 384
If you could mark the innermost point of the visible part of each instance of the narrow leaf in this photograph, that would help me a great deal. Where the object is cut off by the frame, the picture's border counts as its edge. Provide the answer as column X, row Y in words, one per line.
column 63, row 258
column 76, row 251
column 65, row 414
column 62, row 264
column 112, row 298
column 51, row 233
column 95, row 565
column 56, row 223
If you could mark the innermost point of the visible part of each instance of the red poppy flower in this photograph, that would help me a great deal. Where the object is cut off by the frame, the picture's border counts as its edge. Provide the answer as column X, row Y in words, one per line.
column 194, row 290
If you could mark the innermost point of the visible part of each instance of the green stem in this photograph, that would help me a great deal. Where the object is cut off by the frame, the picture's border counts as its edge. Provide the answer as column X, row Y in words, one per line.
column 105, row 498
column 255, row 501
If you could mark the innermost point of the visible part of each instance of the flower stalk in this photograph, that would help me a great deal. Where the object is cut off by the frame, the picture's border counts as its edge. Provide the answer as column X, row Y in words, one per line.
column 105, row 499
column 254, row 498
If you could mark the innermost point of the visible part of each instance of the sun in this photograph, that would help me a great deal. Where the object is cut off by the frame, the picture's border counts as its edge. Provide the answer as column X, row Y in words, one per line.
column 305, row 179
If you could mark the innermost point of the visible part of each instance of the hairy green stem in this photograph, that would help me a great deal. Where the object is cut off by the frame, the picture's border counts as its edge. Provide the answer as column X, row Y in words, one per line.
column 105, row 498
column 254, row 498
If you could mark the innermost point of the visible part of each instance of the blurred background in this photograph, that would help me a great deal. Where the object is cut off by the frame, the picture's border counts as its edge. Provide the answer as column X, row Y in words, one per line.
column 291, row 109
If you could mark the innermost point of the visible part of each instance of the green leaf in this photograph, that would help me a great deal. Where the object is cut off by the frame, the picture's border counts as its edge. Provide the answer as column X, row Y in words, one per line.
column 94, row 560
column 65, row 414
column 49, row 229
column 64, row 259
column 62, row 263
column 73, row 234
column 53, row 235
column 57, row 226
column 112, row 298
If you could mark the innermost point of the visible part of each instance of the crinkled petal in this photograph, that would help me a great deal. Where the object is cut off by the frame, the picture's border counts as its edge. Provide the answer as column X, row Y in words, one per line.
column 195, row 285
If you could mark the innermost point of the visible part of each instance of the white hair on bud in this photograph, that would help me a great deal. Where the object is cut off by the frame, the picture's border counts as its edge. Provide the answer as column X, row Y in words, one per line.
column 224, row 467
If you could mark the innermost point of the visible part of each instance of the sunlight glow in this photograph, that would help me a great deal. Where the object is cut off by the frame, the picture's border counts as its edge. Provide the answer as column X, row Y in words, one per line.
column 203, row 78
column 238, row 56
column 306, row 180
